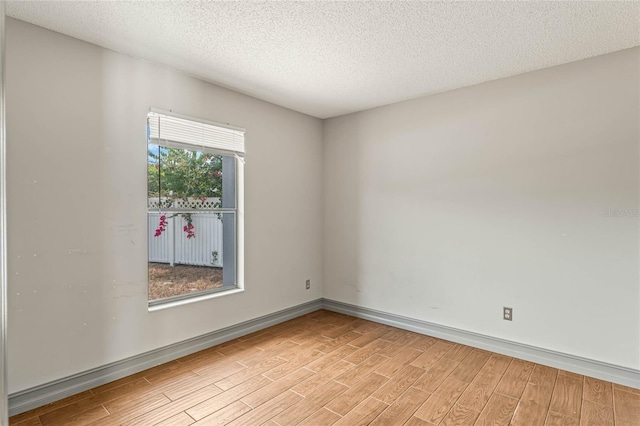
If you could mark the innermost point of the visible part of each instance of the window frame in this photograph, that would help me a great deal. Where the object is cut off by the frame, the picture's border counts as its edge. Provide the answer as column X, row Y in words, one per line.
column 237, row 212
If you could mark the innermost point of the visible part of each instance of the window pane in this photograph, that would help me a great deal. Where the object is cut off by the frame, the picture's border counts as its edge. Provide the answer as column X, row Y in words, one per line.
column 190, row 179
column 190, row 252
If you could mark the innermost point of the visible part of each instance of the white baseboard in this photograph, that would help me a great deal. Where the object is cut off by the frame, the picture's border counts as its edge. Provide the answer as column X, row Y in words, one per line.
column 38, row 396
column 588, row 367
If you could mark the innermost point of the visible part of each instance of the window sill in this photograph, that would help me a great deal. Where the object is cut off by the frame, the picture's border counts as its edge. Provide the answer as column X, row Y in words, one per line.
column 194, row 299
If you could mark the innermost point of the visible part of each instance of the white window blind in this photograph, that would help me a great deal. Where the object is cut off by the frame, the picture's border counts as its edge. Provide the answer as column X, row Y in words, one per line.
column 171, row 130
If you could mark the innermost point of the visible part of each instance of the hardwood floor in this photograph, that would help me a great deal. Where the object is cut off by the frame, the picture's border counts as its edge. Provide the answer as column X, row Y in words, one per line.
column 326, row 368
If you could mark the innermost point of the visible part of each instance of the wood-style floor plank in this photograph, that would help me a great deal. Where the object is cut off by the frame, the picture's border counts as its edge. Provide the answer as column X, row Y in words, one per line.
column 594, row 414
column 86, row 417
column 366, row 351
column 66, row 413
column 294, row 362
column 598, row 391
column 274, row 389
column 363, row 414
column 322, row 378
column 353, row 375
column 327, row 368
column 458, row 352
column 246, row 374
column 422, row 343
column 198, row 409
column 398, row 384
column 468, row 368
column 175, row 407
column 225, row 415
column 416, row 421
column 480, row 389
column 331, row 358
column 400, row 337
column 401, row 358
column 515, row 379
column 533, row 406
column 321, row 417
column 358, row 393
column 333, row 344
column 556, row 419
column 310, row 404
column 368, row 335
column 626, row 406
column 402, row 408
column 441, row 401
column 181, row 419
column 435, row 375
column 33, row 421
column 432, row 355
column 460, row 416
column 543, row 376
column 125, row 409
column 268, row 410
column 567, row 396
column 498, row 411
column 626, row 388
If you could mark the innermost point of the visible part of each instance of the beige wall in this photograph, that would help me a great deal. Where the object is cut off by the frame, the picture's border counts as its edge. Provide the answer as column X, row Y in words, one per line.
column 449, row 207
column 77, row 211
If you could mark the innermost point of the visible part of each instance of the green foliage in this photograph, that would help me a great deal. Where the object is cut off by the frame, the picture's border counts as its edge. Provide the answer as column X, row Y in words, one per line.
column 153, row 181
column 178, row 173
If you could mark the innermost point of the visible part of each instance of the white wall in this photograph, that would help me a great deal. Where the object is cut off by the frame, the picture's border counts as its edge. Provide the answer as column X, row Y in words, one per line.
column 76, row 117
column 449, row 207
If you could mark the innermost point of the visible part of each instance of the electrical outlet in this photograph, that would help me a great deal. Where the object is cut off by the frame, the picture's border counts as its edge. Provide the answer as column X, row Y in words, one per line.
column 507, row 314
column 308, row 284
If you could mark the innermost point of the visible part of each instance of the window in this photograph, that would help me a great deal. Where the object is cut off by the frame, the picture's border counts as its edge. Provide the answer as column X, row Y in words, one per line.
column 194, row 198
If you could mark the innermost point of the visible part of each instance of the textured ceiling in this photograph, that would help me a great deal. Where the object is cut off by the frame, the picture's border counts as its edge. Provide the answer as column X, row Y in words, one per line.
column 332, row 58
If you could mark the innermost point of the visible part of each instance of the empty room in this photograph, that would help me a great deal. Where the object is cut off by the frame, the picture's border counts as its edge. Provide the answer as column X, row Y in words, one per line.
column 320, row 213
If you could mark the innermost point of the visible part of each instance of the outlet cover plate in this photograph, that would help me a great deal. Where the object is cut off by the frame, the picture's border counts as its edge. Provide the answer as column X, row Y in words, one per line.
column 507, row 314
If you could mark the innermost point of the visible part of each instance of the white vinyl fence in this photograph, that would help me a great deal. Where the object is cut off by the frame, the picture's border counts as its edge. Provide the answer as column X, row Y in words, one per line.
column 173, row 246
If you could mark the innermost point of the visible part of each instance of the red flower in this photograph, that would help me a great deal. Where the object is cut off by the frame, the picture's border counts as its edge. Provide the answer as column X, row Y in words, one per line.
column 162, row 226
column 189, row 230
